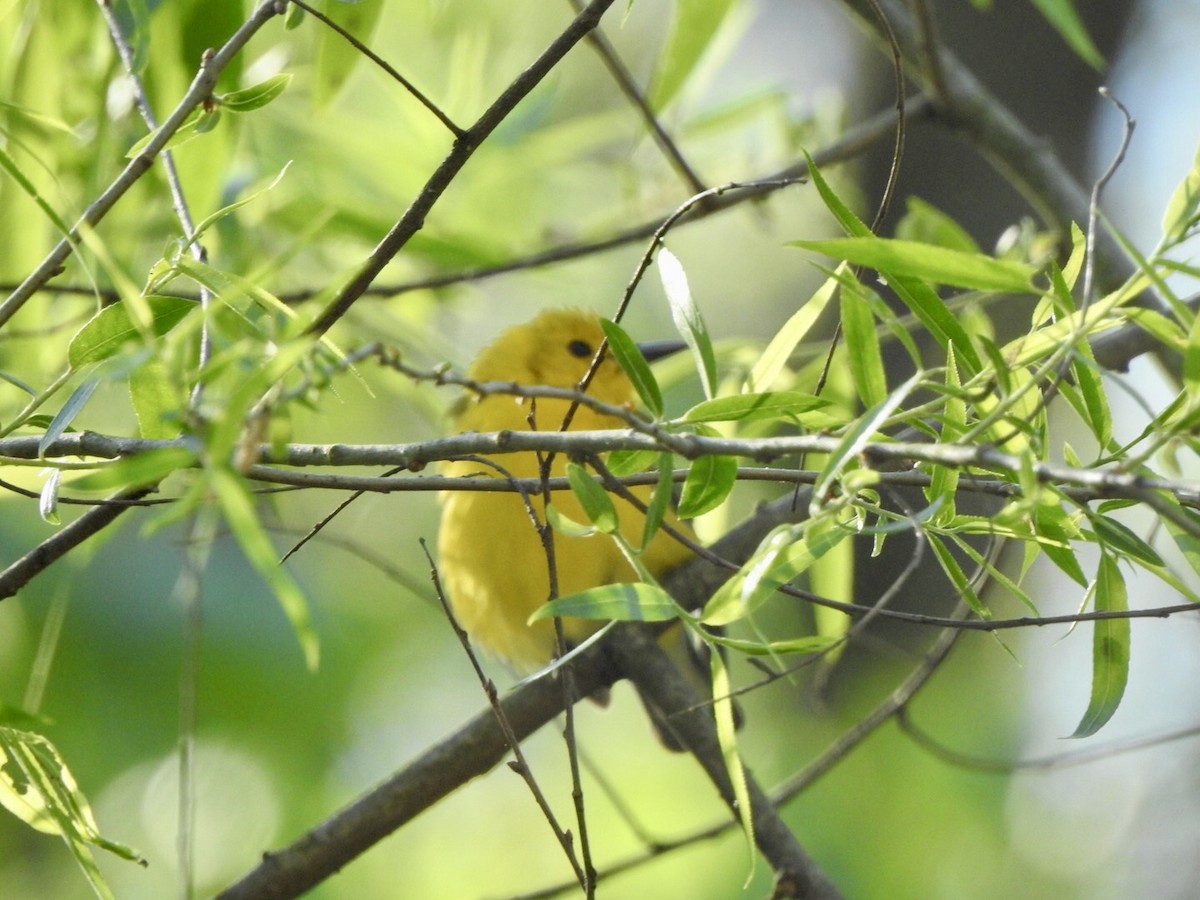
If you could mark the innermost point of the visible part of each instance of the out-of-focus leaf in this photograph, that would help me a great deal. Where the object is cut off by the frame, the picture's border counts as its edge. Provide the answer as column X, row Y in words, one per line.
column 1110, row 649
column 768, row 366
column 1062, row 16
column 65, row 416
column 726, row 719
column 1183, row 210
column 257, row 96
column 692, row 29
column 336, row 57
column 939, row 265
column 37, row 787
column 157, row 401
column 252, row 538
column 105, row 333
column 134, row 471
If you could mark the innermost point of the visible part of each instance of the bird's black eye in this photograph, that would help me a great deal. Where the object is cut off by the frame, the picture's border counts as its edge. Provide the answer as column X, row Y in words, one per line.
column 581, row 349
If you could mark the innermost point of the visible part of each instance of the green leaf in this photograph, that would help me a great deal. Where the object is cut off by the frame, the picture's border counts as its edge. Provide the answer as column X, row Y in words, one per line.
column 37, row 787
column 807, row 644
column 688, row 320
column 845, row 216
column 709, row 481
column 336, row 57
column 741, row 407
column 65, row 416
column 1183, row 210
column 256, row 96
column 133, row 471
column 105, row 333
column 630, row 358
column 660, row 500
column 625, row 602
column 692, row 29
column 564, row 524
column 1121, row 540
column 238, row 509
column 940, row 265
column 726, row 719
column 1062, row 16
column 775, row 357
column 785, row 553
column 862, row 347
column 854, row 439
column 597, row 504
column 1110, row 649
column 630, row 462
column 157, row 401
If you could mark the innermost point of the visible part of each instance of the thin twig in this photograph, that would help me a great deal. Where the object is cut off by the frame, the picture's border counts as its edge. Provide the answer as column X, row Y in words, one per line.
column 385, row 65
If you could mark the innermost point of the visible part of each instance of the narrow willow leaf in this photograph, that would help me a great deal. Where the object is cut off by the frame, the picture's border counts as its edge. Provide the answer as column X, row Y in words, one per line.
column 630, row 462
column 564, row 524
column 845, row 216
column 854, row 440
column 239, row 513
column 256, row 96
column 688, row 319
column 940, row 265
column 1062, row 16
column 808, row 645
column 660, row 500
column 1184, row 207
column 783, row 555
column 37, row 787
column 65, row 416
column 103, row 335
column 862, row 347
column 1185, row 541
column 943, row 484
column 709, row 481
column 693, row 27
column 775, row 357
column 597, row 504
column 954, row 571
column 1110, row 649
column 726, row 719
column 769, row 405
column 629, row 358
column 1121, row 540
column 627, row 602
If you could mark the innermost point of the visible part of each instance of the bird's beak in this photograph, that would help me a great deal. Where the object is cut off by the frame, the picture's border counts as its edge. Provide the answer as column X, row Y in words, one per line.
column 653, row 350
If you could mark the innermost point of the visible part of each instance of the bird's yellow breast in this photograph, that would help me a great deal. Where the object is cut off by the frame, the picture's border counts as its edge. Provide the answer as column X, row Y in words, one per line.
column 493, row 562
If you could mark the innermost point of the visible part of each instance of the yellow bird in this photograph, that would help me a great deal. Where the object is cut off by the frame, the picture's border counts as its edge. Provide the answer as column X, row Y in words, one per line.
column 492, row 561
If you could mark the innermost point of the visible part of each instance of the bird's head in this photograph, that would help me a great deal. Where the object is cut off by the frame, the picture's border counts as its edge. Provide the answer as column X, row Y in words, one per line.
column 556, row 349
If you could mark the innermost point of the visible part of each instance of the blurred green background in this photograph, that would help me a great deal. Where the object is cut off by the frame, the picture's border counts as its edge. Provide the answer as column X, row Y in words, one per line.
column 279, row 747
